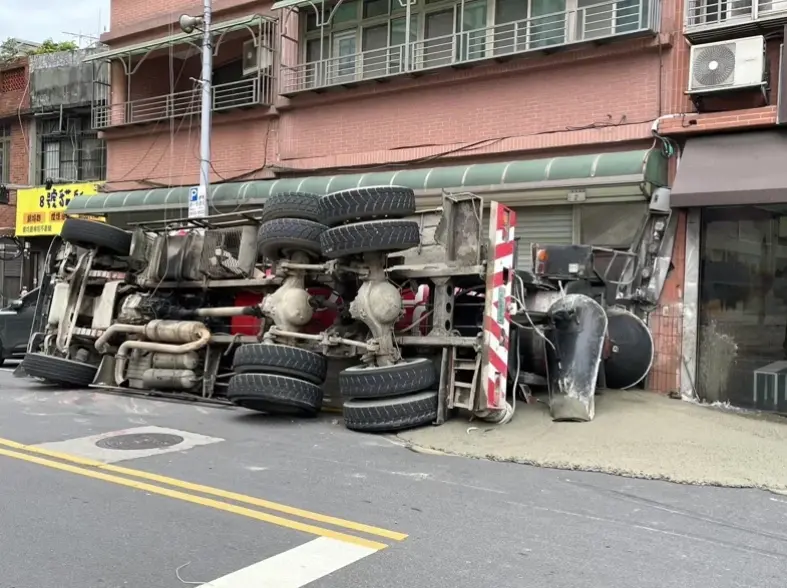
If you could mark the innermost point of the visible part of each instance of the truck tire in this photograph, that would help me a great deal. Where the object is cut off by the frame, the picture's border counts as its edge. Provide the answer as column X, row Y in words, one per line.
column 282, row 360
column 387, row 415
column 361, row 204
column 302, row 205
column 384, row 236
column 89, row 234
column 279, row 236
column 64, row 372
column 274, row 394
column 412, row 375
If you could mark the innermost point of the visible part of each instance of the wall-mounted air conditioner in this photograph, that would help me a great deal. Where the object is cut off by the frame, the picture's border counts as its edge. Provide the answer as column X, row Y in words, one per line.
column 256, row 58
column 727, row 65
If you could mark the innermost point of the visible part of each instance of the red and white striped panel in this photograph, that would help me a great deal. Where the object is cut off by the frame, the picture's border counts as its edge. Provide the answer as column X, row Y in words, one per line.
column 497, row 316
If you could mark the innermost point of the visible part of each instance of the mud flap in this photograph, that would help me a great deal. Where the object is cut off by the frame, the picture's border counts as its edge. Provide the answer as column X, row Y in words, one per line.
column 105, row 376
column 573, row 359
column 36, row 339
column 19, row 371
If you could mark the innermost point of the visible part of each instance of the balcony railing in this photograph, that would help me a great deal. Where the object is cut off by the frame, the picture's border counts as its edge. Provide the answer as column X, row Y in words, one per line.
column 240, row 94
column 710, row 20
column 590, row 23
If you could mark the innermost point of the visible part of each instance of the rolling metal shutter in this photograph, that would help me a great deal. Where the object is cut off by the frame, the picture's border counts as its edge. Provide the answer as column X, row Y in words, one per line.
column 543, row 225
column 10, row 280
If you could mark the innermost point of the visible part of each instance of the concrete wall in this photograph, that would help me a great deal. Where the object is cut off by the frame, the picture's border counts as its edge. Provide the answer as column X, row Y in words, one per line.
column 62, row 79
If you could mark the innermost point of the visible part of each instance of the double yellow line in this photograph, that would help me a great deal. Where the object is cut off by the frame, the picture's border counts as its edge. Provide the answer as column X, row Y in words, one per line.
column 132, row 479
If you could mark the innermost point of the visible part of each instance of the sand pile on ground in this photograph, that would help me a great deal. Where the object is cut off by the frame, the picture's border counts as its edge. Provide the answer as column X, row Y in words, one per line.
column 638, row 434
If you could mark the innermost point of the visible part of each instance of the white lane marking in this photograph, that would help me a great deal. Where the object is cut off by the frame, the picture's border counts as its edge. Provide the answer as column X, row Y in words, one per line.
column 86, row 446
column 297, row 567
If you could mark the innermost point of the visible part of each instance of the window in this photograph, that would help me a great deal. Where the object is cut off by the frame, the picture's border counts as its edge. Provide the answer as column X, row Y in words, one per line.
column 369, row 38
column 67, row 153
column 472, row 23
column 595, row 20
column 5, row 154
column 438, row 44
column 547, row 23
column 230, row 86
column 375, row 50
column 374, row 8
column 511, row 26
column 365, row 39
column 344, row 50
column 399, row 47
column 719, row 11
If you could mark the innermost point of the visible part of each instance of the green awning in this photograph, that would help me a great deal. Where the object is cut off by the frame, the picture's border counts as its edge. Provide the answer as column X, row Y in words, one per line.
column 640, row 170
column 171, row 40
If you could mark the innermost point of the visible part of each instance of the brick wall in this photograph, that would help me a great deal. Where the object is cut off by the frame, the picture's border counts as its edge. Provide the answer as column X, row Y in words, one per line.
column 587, row 97
column 14, row 89
column 725, row 112
column 538, row 103
column 666, row 322
column 14, row 113
column 134, row 20
column 18, row 168
column 165, row 155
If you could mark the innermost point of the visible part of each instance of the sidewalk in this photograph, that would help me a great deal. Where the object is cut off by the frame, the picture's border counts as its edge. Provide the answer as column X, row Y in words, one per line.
column 636, row 434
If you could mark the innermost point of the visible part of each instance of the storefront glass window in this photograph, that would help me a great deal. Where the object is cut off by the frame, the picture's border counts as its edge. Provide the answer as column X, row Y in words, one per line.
column 743, row 306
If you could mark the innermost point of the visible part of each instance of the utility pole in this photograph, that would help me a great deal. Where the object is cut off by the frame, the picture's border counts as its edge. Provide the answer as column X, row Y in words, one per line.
column 207, row 111
column 198, row 197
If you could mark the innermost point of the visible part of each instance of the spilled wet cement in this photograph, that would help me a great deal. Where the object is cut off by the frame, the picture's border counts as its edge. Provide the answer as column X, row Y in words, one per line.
column 635, row 434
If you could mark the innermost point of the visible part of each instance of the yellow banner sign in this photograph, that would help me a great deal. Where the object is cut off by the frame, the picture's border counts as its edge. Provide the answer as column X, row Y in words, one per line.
column 41, row 212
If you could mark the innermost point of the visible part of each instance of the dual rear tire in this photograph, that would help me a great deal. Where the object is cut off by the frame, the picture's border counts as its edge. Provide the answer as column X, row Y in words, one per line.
column 389, row 398
column 340, row 224
column 284, row 380
column 368, row 220
column 278, row 379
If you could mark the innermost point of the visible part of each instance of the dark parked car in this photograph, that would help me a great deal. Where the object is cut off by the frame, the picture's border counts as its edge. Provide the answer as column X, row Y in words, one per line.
column 16, row 322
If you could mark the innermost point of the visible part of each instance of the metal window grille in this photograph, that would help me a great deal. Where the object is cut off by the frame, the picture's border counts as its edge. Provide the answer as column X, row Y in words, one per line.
column 69, row 151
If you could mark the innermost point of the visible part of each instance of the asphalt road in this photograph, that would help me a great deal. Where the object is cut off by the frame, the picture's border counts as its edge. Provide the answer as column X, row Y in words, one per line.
column 66, row 522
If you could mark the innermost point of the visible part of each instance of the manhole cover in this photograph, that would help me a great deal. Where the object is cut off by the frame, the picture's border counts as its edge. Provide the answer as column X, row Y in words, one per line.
column 137, row 441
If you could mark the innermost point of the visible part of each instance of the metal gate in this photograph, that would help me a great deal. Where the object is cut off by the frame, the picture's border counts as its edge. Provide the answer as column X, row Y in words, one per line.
column 543, row 225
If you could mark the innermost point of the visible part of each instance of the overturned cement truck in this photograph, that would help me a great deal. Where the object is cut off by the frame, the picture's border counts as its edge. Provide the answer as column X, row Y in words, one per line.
column 402, row 318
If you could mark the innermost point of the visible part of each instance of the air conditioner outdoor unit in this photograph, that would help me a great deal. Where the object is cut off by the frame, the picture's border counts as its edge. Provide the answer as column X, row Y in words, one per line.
column 257, row 57
column 727, row 65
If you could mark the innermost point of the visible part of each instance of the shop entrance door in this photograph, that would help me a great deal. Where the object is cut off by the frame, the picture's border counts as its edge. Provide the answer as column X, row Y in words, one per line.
column 743, row 307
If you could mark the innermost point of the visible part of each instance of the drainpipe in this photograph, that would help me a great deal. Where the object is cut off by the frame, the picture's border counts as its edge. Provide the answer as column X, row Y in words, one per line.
column 656, row 123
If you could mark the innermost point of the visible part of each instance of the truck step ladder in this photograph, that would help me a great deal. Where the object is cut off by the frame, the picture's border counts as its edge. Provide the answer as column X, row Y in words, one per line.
column 462, row 393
